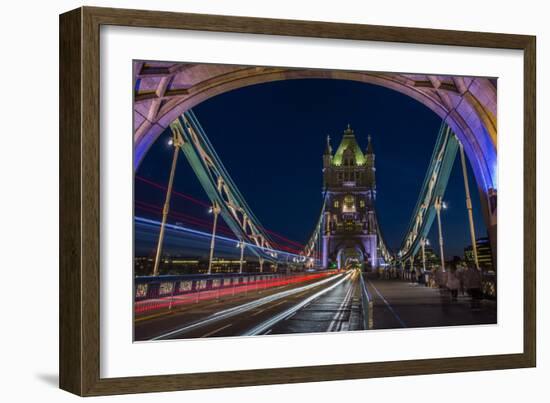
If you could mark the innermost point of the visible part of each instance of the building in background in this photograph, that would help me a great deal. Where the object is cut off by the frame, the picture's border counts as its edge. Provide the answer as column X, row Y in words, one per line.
column 484, row 254
column 143, row 265
column 432, row 259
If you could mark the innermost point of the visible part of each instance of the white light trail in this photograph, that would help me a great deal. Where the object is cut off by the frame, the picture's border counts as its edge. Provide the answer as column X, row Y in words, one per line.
column 263, row 327
column 243, row 308
column 208, row 235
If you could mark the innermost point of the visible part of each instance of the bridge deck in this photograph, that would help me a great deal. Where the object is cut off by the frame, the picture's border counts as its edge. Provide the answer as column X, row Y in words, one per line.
column 322, row 305
column 401, row 304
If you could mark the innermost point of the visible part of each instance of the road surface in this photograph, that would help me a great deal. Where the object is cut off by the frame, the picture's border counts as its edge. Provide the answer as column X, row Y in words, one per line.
column 329, row 304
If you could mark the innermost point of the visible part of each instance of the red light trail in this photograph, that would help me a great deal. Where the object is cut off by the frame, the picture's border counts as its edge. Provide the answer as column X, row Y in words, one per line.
column 171, row 301
column 185, row 217
column 204, row 224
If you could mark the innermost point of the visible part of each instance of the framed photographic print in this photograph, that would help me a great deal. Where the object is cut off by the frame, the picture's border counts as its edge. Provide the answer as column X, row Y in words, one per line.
column 250, row 201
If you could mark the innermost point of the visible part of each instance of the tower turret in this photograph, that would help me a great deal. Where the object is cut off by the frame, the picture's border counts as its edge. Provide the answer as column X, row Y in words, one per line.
column 370, row 149
column 371, row 169
column 327, row 156
column 328, row 148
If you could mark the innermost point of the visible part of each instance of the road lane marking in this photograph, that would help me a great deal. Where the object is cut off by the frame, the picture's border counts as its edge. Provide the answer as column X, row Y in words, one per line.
column 388, row 305
column 269, row 307
column 340, row 312
column 277, row 304
column 175, row 310
column 243, row 308
column 216, row 331
column 264, row 326
column 258, row 312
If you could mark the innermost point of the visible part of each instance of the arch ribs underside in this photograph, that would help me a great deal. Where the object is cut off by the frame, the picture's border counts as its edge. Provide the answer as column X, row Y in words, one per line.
column 165, row 90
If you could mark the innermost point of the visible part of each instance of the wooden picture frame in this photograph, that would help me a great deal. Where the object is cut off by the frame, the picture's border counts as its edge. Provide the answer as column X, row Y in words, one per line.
column 80, row 184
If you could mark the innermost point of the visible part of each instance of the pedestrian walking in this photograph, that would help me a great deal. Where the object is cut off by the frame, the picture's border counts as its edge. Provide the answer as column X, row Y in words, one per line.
column 422, row 278
column 453, row 284
column 472, row 283
column 460, row 274
column 440, row 277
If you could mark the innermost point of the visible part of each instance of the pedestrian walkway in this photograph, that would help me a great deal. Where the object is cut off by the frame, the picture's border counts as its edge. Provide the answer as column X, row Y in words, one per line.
column 399, row 304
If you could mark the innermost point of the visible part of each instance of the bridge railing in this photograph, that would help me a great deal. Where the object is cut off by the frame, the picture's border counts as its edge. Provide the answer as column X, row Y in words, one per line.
column 153, row 293
column 367, row 304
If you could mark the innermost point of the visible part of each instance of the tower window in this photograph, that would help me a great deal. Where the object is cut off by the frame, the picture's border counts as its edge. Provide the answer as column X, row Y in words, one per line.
column 362, row 203
column 349, row 204
column 336, row 204
column 348, row 157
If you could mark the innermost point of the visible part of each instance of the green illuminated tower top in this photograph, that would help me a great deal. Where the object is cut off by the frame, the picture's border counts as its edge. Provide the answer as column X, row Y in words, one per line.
column 349, row 166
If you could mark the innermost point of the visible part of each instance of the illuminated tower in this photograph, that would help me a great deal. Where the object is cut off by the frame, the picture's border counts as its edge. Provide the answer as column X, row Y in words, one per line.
column 349, row 184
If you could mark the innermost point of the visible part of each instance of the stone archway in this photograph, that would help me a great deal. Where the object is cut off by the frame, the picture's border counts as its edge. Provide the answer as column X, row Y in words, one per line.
column 346, row 252
column 164, row 90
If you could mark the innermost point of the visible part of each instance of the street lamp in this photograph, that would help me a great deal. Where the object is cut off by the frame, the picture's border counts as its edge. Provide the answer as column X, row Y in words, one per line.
column 469, row 206
column 423, row 243
column 241, row 245
column 176, row 141
column 215, row 209
column 439, row 204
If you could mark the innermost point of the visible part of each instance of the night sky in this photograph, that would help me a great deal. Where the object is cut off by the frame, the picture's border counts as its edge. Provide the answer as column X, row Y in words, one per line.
column 271, row 138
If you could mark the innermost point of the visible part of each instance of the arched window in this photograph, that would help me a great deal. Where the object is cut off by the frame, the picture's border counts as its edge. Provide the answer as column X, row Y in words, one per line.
column 349, row 204
column 349, row 158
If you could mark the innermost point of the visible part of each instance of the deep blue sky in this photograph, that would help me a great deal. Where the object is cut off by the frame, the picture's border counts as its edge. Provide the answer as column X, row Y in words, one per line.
column 271, row 138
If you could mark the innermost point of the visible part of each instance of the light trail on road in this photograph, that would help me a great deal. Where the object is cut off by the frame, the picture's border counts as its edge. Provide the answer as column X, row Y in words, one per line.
column 341, row 310
column 231, row 312
column 263, row 327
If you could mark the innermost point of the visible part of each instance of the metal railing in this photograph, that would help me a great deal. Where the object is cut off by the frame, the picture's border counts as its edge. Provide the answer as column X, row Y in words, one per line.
column 367, row 304
column 152, row 293
column 489, row 285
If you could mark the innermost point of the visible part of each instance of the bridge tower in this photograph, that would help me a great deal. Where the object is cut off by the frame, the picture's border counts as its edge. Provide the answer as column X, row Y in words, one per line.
column 349, row 222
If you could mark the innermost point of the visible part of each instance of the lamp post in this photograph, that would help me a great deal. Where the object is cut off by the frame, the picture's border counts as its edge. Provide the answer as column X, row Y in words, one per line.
column 469, row 205
column 440, row 204
column 176, row 141
column 423, row 243
column 216, row 211
column 241, row 245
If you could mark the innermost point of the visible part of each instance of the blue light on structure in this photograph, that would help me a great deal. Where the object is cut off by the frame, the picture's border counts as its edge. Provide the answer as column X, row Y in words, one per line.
column 271, row 252
column 490, row 154
column 483, row 159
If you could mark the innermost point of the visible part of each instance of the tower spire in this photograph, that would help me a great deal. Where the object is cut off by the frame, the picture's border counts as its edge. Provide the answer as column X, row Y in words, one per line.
column 370, row 149
column 348, row 131
column 328, row 149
